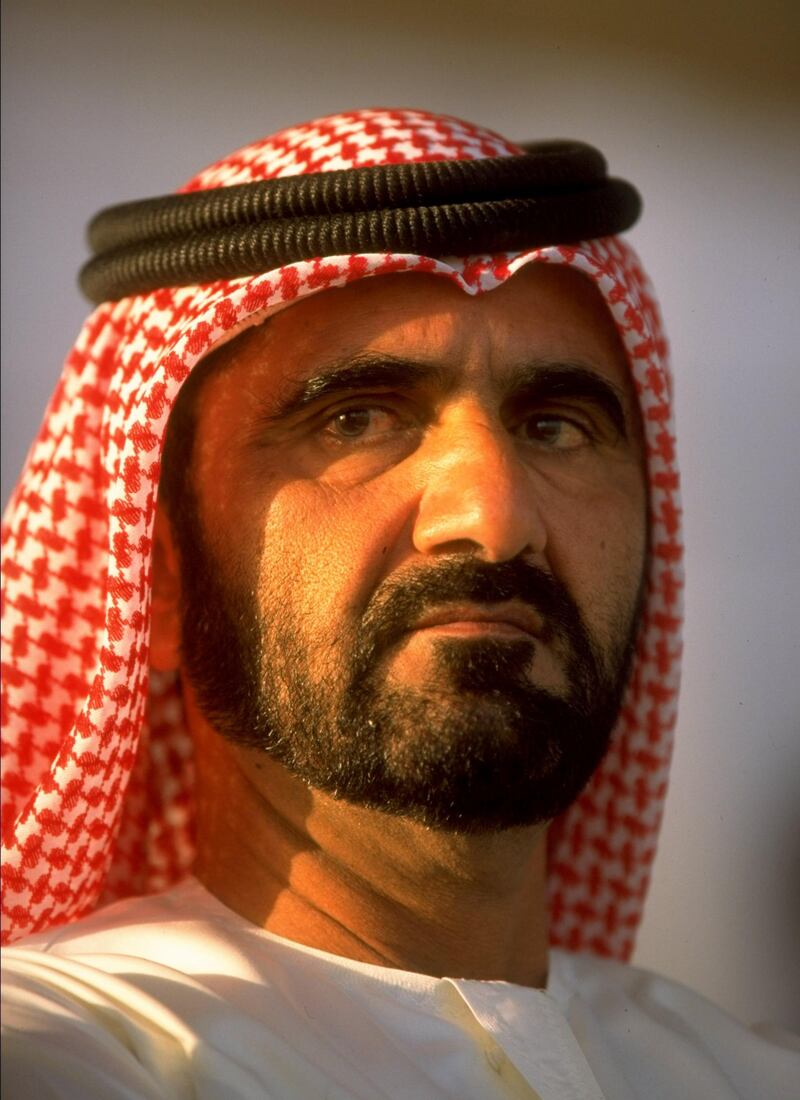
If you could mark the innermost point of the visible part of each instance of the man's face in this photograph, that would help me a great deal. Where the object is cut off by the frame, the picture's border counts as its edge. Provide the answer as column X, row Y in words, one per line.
column 416, row 563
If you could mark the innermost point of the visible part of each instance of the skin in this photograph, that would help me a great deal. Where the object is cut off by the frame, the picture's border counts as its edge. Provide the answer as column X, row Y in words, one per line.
column 449, row 466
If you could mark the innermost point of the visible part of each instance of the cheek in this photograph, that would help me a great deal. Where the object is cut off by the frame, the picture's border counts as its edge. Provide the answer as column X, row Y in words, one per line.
column 323, row 551
column 597, row 546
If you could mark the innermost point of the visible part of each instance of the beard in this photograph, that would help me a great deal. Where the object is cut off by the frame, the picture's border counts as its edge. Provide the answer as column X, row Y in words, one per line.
column 476, row 747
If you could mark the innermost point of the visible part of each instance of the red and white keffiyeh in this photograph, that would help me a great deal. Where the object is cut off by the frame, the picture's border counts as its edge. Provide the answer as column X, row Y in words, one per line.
column 97, row 763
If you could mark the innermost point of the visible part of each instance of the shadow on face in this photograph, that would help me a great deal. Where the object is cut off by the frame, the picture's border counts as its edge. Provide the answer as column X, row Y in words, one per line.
column 411, row 543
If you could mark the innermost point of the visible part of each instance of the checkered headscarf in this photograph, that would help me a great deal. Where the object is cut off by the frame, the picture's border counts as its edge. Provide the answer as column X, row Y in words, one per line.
column 97, row 763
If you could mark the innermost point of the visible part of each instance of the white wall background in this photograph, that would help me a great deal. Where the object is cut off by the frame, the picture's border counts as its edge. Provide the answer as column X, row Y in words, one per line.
column 697, row 103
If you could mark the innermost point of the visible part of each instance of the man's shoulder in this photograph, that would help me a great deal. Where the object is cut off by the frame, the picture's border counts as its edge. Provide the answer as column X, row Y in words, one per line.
column 648, row 1019
column 609, row 983
column 149, row 998
column 131, row 923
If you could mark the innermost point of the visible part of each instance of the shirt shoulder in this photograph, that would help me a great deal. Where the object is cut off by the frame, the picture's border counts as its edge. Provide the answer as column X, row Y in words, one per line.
column 659, row 1030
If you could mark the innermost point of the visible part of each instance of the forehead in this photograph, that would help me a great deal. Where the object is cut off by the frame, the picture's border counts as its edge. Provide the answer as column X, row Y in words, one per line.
column 543, row 312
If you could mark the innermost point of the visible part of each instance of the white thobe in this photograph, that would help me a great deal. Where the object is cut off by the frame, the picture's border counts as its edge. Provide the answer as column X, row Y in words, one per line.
column 176, row 996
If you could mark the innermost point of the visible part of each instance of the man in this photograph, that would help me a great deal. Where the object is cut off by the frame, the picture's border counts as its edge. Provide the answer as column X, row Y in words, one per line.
column 386, row 655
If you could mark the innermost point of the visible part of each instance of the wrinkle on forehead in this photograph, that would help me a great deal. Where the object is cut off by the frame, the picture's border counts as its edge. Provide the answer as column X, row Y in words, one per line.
column 485, row 331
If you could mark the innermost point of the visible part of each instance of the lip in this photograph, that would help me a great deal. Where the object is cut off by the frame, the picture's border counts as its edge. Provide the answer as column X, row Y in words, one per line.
column 466, row 619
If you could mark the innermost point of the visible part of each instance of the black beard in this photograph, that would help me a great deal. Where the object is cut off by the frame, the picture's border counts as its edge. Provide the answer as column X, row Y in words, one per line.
column 477, row 748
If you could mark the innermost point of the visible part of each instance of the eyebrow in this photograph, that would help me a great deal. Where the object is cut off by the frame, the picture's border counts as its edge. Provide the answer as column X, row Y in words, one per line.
column 547, row 381
column 536, row 381
column 363, row 372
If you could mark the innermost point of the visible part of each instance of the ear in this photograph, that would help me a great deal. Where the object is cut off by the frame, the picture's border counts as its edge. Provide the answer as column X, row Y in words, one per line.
column 165, row 628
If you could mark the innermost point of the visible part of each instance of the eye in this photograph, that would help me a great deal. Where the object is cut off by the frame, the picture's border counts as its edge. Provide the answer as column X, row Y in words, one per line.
column 363, row 423
column 556, row 432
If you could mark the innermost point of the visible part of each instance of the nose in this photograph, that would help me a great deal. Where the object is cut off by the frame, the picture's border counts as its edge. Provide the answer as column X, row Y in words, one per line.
column 478, row 494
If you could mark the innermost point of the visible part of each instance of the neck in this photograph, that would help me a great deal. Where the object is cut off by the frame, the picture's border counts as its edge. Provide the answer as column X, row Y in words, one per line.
column 364, row 884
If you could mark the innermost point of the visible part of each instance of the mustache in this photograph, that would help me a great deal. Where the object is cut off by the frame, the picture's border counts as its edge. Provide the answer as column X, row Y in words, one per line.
column 399, row 603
